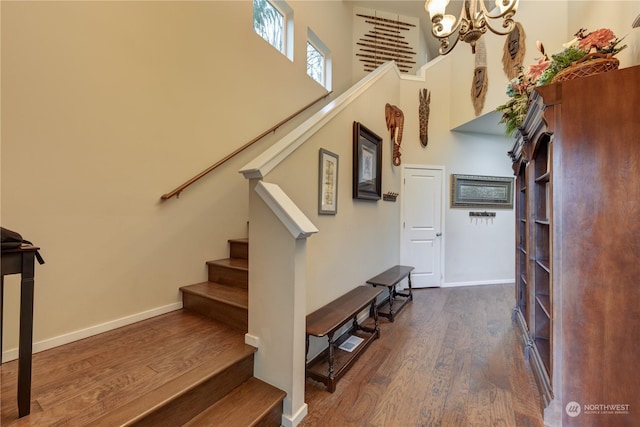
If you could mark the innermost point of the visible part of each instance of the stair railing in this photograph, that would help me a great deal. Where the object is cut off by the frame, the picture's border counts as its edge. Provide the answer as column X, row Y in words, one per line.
column 176, row 192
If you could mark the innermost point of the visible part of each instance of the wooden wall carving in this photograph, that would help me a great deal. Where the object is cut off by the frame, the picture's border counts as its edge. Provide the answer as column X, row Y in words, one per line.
column 385, row 41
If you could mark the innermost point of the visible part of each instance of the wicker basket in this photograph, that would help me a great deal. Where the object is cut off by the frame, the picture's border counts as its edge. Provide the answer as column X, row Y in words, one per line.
column 593, row 63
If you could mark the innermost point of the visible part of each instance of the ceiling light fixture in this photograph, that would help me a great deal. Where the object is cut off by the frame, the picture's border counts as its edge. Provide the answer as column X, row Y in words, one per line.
column 473, row 22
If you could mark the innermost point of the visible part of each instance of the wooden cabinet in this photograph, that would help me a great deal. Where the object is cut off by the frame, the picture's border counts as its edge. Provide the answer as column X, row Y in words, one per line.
column 577, row 167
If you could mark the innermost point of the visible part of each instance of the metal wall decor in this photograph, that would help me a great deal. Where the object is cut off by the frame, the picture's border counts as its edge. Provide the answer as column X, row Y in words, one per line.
column 475, row 191
column 384, row 42
column 423, row 115
column 390, row 196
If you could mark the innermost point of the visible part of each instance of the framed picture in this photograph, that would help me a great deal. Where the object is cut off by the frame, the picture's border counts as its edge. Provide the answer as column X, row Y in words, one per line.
column 328, row 183
column 472, row 191
column 367, row 163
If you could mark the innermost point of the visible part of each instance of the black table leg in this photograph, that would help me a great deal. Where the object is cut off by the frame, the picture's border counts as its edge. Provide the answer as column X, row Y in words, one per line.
column 26, row 335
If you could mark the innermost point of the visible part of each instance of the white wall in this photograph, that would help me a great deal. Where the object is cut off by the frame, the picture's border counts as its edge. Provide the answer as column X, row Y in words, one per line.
column 475, row 252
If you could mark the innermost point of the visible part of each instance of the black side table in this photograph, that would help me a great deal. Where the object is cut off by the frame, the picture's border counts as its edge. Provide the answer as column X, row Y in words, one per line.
column 21, row 261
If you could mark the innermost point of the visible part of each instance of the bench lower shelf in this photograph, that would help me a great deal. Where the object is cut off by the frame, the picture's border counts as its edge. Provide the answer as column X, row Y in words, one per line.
column 319, row 368
column 386, row 310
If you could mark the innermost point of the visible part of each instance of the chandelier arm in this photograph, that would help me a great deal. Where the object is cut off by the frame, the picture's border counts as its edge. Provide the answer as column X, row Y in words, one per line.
column 512, row 8
column 508, row 24
column 437, row 25
column 436, row 21
column 445, row 47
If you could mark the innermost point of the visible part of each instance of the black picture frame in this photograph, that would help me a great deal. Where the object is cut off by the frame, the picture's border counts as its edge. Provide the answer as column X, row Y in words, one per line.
column 476, row 191
column 367, row 163
column 327, row 183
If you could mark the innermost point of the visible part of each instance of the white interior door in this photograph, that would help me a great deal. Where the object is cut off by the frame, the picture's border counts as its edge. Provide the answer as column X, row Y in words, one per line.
column 422, row 239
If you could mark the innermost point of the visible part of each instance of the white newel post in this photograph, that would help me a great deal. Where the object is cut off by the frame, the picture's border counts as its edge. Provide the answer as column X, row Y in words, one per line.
column 277, row 293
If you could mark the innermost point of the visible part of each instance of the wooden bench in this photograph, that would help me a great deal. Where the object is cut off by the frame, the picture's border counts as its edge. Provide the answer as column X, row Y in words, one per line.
column 390, row 278
column 330, row 365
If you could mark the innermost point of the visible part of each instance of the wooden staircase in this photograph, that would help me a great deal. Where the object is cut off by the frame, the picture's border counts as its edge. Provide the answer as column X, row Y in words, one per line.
column 225, row 296
column 224, row 391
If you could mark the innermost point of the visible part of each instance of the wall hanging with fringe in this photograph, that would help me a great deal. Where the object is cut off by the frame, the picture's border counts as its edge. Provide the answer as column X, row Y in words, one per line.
column 513, row 53
column 480, row 82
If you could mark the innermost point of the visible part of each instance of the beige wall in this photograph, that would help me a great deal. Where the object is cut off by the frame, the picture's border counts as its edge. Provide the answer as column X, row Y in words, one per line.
column 616, row 15
column 362, row 239
column 108, row 105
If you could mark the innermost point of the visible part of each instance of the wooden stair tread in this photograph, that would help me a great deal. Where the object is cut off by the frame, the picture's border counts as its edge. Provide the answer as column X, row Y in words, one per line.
column 234, row 263
column 228, row 294
column 244, row 406
column 242, row 240
column 139, row 408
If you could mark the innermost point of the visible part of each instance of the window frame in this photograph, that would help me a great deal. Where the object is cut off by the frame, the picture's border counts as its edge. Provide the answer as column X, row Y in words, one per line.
column 319, row 46
column 287, row 26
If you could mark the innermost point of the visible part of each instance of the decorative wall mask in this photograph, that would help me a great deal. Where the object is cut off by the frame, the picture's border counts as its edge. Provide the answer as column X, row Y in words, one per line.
column 395, row 123
column 480, row 79
column 423, row 116
column 514, row 50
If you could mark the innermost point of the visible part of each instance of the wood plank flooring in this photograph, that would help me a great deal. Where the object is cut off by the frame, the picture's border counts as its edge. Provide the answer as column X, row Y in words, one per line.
column 452, row 358
column 79, row 382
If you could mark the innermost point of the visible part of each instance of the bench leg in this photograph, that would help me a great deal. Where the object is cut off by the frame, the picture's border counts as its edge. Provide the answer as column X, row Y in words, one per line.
column 392, row 294
column 374, row 309
column 332, row 356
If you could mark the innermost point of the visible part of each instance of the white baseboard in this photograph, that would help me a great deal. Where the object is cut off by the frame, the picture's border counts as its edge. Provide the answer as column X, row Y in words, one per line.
column 252, row 340
column 39, row 346
column 479, row 283
column 295, row 419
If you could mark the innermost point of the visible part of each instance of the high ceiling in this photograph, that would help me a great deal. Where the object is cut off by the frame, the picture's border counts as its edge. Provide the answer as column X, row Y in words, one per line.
column 485, row 124
column 412, row 8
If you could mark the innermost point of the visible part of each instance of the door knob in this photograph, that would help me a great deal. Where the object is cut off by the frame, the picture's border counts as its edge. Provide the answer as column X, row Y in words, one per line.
column 438, row 234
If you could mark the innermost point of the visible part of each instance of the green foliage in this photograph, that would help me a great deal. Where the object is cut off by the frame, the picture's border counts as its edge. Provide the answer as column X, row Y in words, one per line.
column 513, row 113
column 559, row 62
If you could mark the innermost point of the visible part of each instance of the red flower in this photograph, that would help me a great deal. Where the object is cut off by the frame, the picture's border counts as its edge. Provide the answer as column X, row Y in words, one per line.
column 536, row 70
column 598, row 39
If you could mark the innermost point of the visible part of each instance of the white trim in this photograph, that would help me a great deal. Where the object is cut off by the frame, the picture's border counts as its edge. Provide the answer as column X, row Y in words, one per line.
column 296, row 418
column 48, row 344
column 252, row 340
column 443, row 212
column 318, row 45
column 287, row 212
column 420, row 75
column 479, row 282
column 259, row 167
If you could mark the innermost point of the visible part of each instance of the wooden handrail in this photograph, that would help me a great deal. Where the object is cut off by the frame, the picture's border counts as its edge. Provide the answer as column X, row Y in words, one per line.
column 176, row 192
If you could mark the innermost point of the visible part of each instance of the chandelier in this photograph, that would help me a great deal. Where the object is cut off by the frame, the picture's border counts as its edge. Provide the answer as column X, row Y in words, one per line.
column 473, row 22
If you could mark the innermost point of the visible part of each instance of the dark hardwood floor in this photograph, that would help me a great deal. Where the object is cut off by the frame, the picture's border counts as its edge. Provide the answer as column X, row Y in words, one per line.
column 452, row 358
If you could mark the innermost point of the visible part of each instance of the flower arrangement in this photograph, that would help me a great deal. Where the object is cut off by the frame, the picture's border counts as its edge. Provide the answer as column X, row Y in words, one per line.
column 583, row 47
